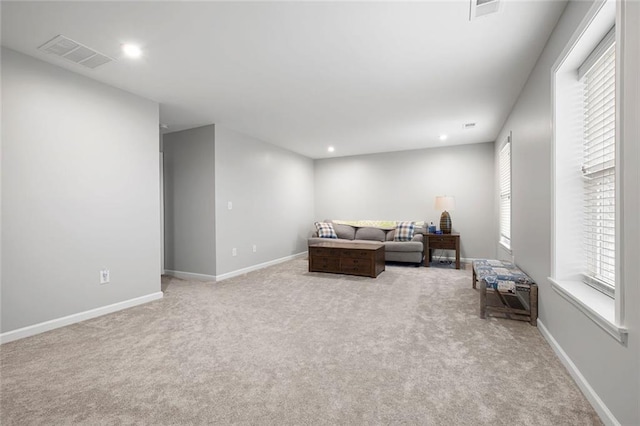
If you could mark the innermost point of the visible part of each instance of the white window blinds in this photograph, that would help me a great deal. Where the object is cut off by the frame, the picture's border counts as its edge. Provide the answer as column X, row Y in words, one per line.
column 598, row 167
column 505, row 194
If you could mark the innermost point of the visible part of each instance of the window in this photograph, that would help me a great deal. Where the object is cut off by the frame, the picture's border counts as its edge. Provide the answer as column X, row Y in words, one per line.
column 586, row 195
column 597, row 75
column 505, row 194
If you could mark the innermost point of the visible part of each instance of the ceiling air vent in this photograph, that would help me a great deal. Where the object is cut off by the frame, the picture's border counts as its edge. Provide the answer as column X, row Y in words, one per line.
column 480, row 8
column 468, row 125
column 75, row 52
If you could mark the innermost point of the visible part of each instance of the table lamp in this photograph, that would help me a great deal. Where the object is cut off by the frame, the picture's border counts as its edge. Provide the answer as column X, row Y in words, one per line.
column 444, row 203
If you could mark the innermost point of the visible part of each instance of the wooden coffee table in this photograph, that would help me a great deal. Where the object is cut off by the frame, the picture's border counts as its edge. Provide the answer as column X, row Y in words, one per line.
column 347, row 258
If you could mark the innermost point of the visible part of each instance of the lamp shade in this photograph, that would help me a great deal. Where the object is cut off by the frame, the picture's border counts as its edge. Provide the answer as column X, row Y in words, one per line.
column 445, row 202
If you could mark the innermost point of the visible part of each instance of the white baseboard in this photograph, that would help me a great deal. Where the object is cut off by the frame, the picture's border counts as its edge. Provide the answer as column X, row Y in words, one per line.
column 32, row 330
column 260, row 266
column 603, row 411
column 190, row 275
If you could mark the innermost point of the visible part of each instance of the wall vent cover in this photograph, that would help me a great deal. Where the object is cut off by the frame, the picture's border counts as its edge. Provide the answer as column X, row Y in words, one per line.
column 480, row 8
column 75, row 52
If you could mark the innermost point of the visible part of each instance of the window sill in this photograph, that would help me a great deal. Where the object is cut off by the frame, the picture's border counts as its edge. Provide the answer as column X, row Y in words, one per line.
column 597, row 306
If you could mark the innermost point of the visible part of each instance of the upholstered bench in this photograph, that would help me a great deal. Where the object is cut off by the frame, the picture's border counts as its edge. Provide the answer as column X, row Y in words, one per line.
column 516, row 295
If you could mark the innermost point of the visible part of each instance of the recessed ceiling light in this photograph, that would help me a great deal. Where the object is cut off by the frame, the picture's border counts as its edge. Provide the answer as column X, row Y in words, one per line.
column 132, row 50
column 443, row 137
column 331, row 149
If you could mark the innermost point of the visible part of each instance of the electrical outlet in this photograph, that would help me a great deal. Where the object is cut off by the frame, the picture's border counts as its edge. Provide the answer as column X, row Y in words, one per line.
column 104, row 276
column 255, row 248
column 234, row 252
column 229, row 205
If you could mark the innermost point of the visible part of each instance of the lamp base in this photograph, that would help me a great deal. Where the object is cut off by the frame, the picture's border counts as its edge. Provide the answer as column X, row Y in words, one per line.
column 445, row 222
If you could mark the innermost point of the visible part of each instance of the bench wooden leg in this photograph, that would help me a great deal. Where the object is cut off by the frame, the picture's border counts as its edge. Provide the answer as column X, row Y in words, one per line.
column 483, row 299
column 533, row 304
column 474, row 278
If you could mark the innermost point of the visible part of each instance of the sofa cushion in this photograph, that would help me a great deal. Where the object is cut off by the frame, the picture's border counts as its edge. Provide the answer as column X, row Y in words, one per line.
column 345, row 232
column 318, row 240
column 404, row 231
column 403, row 246
column 367, row 233
column 325, row 230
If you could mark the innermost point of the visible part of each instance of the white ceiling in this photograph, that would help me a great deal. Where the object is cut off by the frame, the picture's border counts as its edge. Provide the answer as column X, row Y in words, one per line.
column 364, row 77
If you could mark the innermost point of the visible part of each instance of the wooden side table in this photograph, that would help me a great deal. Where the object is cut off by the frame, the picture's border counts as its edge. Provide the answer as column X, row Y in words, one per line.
column 444, row 242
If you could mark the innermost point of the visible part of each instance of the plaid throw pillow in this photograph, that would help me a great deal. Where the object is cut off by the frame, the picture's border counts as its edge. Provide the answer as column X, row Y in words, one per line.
column 325, row 230
column 404, row 231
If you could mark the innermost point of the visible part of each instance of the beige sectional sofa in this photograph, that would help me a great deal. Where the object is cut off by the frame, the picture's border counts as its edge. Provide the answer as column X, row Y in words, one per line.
column 378, row 232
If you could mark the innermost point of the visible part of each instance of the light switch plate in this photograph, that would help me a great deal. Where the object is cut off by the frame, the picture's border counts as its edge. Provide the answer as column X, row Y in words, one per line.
column 105, row 276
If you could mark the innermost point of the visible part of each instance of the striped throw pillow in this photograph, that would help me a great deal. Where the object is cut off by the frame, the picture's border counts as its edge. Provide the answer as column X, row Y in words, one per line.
column 325, row 230
column 404, row 231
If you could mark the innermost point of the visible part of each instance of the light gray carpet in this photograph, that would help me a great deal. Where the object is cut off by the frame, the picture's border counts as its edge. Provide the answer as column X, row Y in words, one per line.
column 283, row 346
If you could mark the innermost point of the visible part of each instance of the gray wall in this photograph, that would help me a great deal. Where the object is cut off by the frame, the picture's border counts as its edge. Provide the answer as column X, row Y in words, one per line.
column 403, row 186
column 610, row 368
column 271, row 191
column 189, row 200
column 80, row 192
